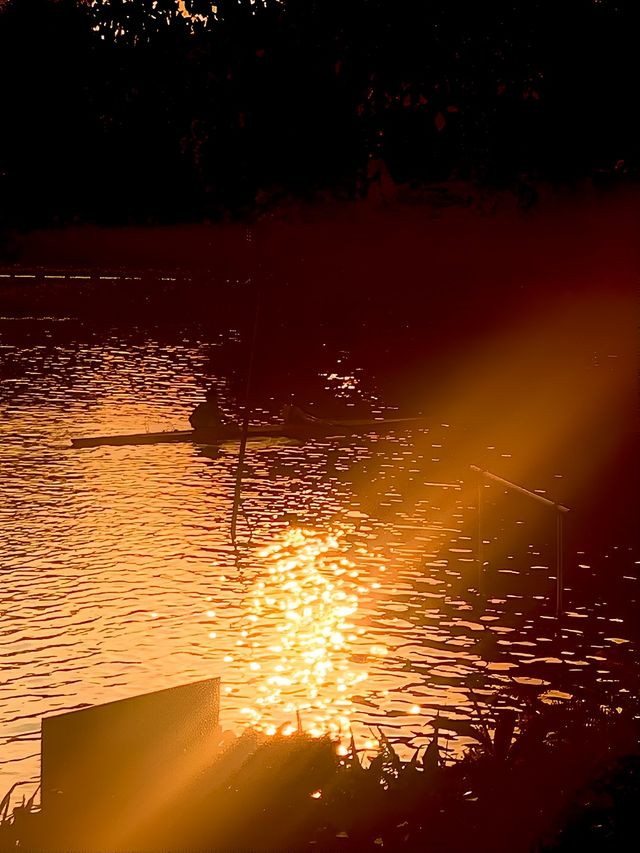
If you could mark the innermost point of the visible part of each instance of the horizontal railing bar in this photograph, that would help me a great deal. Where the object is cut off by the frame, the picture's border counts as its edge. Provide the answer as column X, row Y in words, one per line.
column 494, row 477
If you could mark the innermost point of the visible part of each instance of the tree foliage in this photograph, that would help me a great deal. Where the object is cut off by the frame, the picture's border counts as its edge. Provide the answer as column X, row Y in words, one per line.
column 160, row 110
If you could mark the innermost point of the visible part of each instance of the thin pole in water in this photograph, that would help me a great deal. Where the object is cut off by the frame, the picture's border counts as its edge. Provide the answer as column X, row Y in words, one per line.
column 247, row 411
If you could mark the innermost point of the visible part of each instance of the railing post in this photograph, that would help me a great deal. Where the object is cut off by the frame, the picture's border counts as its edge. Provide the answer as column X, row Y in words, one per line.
column 480, row 534
column 560, row 509
column 559, row 562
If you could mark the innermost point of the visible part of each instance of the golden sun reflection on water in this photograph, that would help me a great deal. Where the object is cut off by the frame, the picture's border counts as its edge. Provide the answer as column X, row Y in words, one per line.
column 301, row 636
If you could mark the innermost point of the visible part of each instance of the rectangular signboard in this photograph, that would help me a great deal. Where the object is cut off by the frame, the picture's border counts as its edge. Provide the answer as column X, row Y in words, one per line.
column 131, row 757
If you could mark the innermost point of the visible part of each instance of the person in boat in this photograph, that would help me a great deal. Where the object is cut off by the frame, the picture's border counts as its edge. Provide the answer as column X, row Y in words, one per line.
column 207, row 415
column 295, row 415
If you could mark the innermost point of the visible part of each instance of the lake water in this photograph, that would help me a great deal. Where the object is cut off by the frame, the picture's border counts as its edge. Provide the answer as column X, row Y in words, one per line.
column 352, row 596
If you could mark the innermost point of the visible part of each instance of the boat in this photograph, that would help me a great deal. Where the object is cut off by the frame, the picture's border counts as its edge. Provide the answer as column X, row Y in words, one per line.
column 311, row 428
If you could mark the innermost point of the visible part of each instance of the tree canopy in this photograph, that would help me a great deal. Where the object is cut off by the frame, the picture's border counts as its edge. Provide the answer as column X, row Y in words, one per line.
column 180, row 110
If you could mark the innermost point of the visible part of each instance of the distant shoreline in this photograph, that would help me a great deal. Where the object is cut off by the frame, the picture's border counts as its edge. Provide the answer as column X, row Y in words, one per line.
column 437, row 217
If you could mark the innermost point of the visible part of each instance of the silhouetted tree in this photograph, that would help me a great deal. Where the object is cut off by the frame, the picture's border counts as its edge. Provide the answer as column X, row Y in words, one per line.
column 160, row 110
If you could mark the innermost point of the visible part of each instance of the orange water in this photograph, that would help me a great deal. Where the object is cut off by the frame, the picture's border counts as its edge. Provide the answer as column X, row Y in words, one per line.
column 119, row 577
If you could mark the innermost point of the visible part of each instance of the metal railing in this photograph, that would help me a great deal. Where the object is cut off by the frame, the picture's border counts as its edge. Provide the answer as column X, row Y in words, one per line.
column 560, row 511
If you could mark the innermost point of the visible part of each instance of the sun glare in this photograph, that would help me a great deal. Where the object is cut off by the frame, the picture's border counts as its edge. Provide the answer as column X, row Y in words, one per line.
column 300, row 635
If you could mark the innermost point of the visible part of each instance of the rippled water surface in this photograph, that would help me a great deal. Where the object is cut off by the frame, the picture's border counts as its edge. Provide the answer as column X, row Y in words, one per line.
column 352, row 597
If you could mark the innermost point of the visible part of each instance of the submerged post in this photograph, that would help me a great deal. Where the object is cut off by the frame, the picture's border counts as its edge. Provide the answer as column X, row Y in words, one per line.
column 560, row 510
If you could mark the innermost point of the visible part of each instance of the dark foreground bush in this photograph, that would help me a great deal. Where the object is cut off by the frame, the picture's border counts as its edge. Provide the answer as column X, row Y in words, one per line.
column 552, row 777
